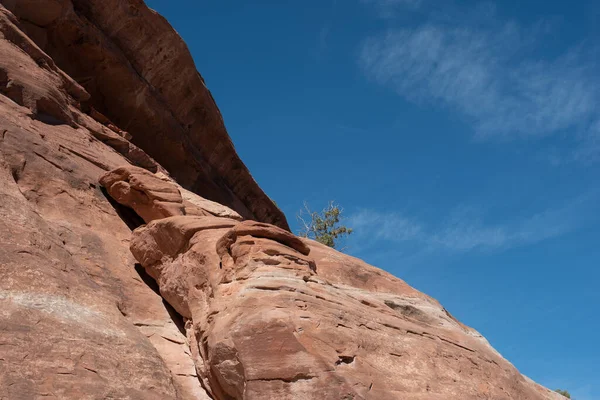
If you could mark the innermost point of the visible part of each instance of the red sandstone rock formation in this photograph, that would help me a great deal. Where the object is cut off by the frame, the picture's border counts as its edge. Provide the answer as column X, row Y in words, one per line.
column 155, row 197
column 142, row 77
column 249, row 311
column 270, row 316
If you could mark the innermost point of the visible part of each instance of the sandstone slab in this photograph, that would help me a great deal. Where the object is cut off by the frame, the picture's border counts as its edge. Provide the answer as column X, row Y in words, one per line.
column 271, row 316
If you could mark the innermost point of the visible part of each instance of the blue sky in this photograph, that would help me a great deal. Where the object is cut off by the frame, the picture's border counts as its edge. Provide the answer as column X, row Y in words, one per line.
column 461, row 138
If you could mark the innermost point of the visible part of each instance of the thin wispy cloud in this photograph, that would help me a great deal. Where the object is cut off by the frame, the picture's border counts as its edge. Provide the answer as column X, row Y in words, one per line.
column 466, row 231
column 388, row 226
column 488, row 75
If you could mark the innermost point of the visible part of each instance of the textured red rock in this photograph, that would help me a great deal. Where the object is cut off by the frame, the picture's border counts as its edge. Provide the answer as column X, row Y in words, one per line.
column 150, row 197
column 272, row 317
column 257, row 313
column 77, row 320
column 142, row 77
column 156, row 196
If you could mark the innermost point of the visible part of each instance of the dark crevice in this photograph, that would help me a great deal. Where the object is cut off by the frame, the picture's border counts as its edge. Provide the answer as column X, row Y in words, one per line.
column 133, row 221
column 147, row 279
column 345, row 360
column 456, row 344
column 48, row 119
column 176, row 317
column 296, row 378
column 151, row 283
column 15, row 175
column 125, row 213
column 17, row 171
column 270, row 288
column 3, row 78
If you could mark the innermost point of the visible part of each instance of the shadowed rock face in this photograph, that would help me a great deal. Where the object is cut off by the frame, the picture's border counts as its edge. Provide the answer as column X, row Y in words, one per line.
column 141, row 76
column 253, row 312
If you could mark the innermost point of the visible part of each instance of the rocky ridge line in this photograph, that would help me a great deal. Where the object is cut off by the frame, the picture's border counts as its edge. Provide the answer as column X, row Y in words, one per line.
column 137, row 71
column 254, row 312
column 272, row 316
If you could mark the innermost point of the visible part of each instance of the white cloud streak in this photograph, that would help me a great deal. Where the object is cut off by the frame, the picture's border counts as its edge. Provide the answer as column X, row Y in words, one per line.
column 463, row 232
column 489, row 77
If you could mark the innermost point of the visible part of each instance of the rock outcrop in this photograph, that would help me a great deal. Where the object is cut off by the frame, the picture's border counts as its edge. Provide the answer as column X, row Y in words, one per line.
column 271, row 316
column 156, row 196
column 78, row 321
column 207, row 297
column 141, row 76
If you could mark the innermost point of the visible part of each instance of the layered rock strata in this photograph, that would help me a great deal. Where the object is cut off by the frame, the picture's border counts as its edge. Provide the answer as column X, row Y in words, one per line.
column 272, row 316
column 139, row 74
column 219, row 306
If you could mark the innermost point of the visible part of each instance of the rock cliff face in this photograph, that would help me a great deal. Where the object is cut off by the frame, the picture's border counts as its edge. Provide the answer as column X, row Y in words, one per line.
column 141, row 76
column 140, row 260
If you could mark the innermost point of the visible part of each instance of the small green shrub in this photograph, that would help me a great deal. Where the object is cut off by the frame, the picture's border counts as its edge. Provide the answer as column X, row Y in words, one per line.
column 324, row 226
column 564, row 393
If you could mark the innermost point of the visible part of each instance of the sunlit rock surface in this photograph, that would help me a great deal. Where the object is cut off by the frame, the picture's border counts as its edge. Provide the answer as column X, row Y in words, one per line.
column 106, row 128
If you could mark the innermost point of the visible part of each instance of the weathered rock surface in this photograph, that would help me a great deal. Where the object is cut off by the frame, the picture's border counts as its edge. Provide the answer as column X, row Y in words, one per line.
column 141, row 75
column 155, row 196
column 271, row 316
column 77, row 320
column 255, row 312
